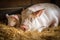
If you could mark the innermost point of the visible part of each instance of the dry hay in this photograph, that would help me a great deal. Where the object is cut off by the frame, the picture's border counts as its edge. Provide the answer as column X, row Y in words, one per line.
column 11, row 33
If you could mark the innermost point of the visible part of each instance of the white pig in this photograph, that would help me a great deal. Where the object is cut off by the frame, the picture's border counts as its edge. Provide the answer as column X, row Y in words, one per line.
column 40, row 16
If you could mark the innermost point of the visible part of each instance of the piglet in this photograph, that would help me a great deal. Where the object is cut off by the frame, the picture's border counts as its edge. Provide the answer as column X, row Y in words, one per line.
column 13, row 20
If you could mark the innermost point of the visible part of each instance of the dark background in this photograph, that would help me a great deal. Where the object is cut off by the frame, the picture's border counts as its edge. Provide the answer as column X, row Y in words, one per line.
column 19, row 3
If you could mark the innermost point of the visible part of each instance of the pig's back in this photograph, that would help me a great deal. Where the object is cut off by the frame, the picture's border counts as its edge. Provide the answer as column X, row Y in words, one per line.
column 49, row 8
column 40, row 6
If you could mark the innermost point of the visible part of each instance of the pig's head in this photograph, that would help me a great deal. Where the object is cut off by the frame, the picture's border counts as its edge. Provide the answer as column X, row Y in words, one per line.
column 12, row 19
column 28, row 18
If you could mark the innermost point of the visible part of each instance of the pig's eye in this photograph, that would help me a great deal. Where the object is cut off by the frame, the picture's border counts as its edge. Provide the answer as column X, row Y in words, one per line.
column 30, row 19
column 14, row 20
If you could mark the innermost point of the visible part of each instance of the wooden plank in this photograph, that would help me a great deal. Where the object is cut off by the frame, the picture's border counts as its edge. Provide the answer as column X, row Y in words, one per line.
column 18, row 3
column 14, row 3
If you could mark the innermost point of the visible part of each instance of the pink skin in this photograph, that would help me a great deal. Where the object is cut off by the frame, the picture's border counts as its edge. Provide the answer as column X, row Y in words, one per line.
column 24, row 27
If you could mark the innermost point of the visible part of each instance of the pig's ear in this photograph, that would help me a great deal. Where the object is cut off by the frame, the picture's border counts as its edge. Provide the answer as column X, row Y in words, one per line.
column 7, row 15
column 39, row 12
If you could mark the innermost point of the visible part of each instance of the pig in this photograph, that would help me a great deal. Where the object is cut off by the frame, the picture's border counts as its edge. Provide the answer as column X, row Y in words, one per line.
column 13, row 20
column 40, row 16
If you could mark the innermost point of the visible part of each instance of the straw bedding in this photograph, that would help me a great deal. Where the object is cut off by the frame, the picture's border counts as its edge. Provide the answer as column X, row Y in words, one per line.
column 11, row 33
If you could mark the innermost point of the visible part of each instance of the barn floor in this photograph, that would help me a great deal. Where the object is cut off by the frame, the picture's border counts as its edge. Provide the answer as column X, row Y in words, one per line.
column 11, row 33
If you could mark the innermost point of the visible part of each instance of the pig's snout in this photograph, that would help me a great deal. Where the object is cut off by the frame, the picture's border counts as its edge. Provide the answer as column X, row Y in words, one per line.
column 24, row 27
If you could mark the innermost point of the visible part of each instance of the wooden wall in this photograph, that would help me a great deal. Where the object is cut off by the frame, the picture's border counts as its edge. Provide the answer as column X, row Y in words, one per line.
column 18, row 3
column 58, row 2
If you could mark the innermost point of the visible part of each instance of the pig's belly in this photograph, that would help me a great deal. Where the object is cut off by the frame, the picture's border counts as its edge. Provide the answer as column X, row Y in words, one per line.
column 45, row 21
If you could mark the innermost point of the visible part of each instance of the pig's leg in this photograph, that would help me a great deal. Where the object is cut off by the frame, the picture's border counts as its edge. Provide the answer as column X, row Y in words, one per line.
column 42, row 28
column 56, row 22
